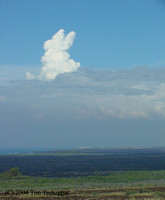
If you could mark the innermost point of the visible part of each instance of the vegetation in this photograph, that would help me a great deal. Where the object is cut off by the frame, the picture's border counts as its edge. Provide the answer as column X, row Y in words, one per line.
column 116, row 179
column 11, row 173
column 127, row 185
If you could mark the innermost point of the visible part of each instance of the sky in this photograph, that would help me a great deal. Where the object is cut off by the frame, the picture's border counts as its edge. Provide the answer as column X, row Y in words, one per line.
column 82, row 73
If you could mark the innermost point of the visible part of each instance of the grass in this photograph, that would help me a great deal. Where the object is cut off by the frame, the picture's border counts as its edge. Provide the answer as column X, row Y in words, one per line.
column 117, row 179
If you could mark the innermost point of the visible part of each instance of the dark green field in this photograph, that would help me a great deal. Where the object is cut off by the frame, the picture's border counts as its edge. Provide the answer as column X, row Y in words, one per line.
column 85, row 162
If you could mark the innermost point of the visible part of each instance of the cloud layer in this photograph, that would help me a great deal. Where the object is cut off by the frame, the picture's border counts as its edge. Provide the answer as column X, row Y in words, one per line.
column 55, row 59
column 138, row 93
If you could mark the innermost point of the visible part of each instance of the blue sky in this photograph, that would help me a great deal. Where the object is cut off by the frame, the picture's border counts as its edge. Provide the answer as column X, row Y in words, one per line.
column 110, row 33
column 113, row 90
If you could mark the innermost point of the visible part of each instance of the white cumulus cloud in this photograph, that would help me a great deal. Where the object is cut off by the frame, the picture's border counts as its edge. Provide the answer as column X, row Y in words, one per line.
column 55, row 59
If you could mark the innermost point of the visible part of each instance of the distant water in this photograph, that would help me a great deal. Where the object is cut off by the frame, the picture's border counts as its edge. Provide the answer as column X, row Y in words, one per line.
column 21, row 150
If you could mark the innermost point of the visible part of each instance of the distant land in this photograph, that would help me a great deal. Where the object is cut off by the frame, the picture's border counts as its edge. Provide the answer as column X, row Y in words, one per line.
column 100, row 151
column 80, row 150
column 85, row 161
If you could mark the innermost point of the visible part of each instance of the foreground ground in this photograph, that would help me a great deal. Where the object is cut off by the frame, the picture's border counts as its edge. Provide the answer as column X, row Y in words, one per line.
column 133, row 185
column 133, row 193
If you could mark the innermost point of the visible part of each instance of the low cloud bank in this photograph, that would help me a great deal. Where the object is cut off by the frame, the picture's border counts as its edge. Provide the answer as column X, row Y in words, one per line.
column 138, row 93
column 55, row 59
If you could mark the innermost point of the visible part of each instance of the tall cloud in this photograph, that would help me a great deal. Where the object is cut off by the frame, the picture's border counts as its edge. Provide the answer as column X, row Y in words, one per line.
column 55, row 59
